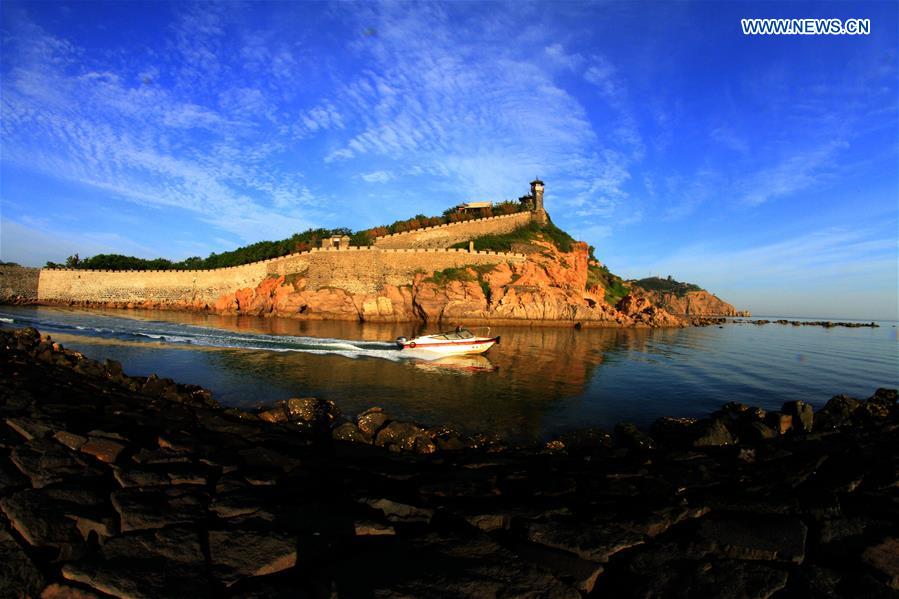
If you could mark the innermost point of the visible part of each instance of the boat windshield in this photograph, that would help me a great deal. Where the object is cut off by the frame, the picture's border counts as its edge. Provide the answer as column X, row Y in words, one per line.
column 452, row 335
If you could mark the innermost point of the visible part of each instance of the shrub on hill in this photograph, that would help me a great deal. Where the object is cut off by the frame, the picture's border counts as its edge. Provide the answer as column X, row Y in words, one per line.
column 263, row 250
column 530, row 232
column 667, row 285
column 266, row 250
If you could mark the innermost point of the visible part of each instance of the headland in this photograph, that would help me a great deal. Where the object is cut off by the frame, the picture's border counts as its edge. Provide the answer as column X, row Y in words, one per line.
column 504, row 263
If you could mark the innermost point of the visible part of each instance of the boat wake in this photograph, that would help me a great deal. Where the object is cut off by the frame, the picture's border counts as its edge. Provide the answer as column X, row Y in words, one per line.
column 177, row 334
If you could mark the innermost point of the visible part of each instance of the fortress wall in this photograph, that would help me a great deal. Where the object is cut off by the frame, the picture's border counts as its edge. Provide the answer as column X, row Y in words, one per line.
column 18, row 284
column 357, row 270
column 366, row 270
column 163, row 286
column 443, row 236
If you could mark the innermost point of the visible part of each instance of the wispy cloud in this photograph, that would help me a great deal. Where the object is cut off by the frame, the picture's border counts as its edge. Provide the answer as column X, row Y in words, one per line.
column 123, row 134
column 798, row 171
column 377, row 176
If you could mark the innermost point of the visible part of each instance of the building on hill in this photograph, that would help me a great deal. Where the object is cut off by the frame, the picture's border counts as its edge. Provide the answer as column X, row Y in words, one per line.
column 336, row 242
column 473, row 206
column 534, row 201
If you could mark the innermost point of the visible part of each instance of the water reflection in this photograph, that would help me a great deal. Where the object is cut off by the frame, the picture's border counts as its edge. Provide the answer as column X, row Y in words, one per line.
column 539, row 381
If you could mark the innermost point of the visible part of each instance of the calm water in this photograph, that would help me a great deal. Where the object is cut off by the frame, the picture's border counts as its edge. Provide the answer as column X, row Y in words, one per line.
column 538, row 382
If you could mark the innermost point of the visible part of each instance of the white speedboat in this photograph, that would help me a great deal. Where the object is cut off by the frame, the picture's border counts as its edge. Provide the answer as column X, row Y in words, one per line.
column 452, row 343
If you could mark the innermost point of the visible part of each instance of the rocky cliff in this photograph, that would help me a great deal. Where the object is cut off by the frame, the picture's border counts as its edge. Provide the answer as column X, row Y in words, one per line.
column 693, row 303
column 551, row 286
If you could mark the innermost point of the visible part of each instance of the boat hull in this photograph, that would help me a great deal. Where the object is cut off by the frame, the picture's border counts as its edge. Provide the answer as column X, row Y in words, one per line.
column 451, row 348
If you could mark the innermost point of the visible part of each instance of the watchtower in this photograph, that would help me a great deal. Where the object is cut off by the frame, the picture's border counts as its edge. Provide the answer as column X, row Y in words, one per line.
column 537, row 194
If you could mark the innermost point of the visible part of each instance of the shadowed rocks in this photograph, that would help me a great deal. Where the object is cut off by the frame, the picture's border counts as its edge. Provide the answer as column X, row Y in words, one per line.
column 141, row 487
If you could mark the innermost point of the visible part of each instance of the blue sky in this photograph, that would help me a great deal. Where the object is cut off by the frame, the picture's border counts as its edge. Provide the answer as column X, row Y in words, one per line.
column 763, row 168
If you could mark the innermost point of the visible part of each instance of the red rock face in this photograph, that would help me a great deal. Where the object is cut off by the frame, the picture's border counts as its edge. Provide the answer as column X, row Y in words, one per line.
column 550, row 286
column 693, row 303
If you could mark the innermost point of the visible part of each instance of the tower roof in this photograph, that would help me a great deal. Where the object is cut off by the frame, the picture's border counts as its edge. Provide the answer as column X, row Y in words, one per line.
column 536, row 181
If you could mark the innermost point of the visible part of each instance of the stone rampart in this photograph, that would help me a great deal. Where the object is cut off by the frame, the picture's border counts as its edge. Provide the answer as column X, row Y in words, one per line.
column 18, row 284
column 444, row 236
column 160, row 286
column 357, row 270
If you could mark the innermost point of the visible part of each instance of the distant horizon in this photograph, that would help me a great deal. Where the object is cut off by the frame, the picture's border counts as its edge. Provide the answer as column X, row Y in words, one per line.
column 761, row 167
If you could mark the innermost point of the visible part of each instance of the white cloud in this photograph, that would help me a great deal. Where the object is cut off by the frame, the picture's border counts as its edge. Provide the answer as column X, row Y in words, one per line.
column 797, row 172
column 557, row 55
column 133, row 140
column 377, row 176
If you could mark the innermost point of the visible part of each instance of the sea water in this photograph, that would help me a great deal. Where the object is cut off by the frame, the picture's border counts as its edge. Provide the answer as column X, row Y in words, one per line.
column 539, row 381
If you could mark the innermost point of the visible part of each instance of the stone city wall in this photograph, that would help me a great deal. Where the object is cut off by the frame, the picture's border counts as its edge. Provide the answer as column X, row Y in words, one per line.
column 162, row 286
column 443, row 236
column 18, row 284
column 366, row 270
column 357, row 270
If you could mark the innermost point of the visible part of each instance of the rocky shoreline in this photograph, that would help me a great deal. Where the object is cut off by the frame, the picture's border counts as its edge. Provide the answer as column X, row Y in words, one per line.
column 705, row 321
column 113, row 485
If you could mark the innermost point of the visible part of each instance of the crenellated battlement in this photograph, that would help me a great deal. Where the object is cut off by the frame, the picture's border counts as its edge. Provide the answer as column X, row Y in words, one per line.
column 392, row 260
column 448, row 234
column 355, row 269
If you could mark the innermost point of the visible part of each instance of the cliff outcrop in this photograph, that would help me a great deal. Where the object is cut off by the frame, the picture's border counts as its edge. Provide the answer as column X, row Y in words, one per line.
column 693, row 303
column 550, row 286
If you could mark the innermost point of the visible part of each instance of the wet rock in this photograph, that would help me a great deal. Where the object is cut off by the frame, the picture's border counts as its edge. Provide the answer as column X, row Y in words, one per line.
column 129, row 476
column 368, row 528
column 884, row 559
column 780, row 422
column 815, row 581
column 350, row 432
column 756, row 432
column 156, row 507
column 371, row 421
column 265, row 460
column 673, row 432
column 31, row 428
column 113, row 369
column 311, row 410
column 579, row 573
column 400, row 512
column 456, row 566
column 593, row 542
column 105, row 450
column 19, row 577
column 103, row 524
column 45, row 462
column 446, row 439
column 836, row 412
column 728, row 579
column 276, row 414
column 233, row 500
column 768, row 538
column 803, row 415
column 160, row 563
column 881, row 403
column 628, row 436
column 659, row 521
column 239, row 554
column 405, row 436
column 42, row 522
column 70, row 440
column 488, row 522
column 65, row 591
column 160, row 456
column 585, row 439
column 711, row 433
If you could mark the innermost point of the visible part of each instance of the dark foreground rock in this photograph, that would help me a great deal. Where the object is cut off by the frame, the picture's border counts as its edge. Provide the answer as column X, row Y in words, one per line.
column 116, row 486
